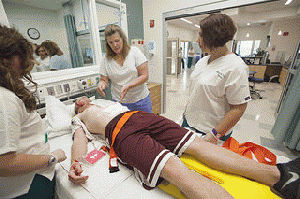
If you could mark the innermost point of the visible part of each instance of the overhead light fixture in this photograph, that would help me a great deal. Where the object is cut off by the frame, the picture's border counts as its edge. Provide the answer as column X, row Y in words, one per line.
column 288, row 2
column 247, row 35
column 248, row 24
column 197, row 26
column 186, row 20
column 279, row 33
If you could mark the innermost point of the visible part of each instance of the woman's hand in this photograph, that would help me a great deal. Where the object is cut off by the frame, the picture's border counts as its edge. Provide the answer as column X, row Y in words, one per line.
column 124, row 91
column 60, row 154
column 103, row 83
column 75, row 174
column 210, row 138
column 101, row 86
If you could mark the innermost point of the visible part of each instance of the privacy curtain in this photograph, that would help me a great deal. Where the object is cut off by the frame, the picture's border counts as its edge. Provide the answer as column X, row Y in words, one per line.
column 76, row 58
column 287, row 125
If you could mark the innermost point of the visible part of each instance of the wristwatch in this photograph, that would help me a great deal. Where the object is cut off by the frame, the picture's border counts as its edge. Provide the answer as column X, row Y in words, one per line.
column 53, row 160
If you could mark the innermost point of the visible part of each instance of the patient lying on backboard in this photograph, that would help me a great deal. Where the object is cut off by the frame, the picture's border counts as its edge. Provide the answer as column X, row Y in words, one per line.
column 152, row 145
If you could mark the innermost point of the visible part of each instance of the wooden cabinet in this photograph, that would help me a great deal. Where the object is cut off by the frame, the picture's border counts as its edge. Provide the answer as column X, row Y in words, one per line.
column 259, row 69
column 155, row 95
column 283, row 76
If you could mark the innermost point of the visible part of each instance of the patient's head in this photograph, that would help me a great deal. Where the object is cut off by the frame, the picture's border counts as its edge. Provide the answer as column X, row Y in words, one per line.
column 82, row 104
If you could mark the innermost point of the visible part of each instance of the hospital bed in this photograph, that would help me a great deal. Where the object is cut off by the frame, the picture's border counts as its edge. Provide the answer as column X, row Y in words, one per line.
column 56, row 102
column 101, row 183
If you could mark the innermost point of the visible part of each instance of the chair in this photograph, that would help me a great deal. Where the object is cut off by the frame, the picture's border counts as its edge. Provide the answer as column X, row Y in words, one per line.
column 254, row 80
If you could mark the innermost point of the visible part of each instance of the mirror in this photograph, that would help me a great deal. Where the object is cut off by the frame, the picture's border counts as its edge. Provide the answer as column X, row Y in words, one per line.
column 39, row 24
column 67, row 23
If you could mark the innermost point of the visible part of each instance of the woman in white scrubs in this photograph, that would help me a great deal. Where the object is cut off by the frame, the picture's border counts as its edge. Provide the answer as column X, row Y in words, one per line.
column 43, row 61
column 219, row 89
column 26, row 164
column 127, row 69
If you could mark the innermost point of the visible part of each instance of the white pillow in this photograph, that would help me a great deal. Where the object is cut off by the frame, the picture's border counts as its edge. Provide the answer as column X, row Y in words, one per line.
column 58, row 114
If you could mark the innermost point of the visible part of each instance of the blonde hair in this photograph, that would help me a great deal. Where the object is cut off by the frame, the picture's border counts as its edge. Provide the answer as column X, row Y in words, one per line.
column 109, row 31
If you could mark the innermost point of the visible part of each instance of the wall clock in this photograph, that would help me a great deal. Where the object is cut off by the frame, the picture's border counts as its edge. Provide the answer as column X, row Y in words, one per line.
column 33, row 33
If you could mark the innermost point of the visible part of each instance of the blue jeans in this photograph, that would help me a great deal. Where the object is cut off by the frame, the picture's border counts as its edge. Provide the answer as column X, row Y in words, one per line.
column 185, row 124
column 141, row 105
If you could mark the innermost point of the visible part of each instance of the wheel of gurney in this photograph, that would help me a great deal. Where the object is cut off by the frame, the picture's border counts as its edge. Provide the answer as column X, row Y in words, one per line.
column 238, row 187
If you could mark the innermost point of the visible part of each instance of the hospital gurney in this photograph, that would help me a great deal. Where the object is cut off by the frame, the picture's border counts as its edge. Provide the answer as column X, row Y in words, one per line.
column 122, row 184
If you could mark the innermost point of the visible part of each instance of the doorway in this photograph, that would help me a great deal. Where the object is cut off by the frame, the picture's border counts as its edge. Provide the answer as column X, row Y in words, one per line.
column 173, row 58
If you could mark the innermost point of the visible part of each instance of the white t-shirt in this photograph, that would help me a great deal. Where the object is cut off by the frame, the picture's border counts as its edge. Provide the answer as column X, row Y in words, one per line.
column 121, row 75
column 20, row 132
column 44, row 64
column 213, row 87
column 59, row 63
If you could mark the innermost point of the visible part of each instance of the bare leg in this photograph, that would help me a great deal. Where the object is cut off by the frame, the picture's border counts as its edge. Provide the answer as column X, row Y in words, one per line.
column 192, row 184
column 228, row 161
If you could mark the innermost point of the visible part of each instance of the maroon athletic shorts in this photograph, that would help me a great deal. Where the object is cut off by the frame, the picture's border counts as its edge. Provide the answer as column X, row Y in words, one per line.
column 146, row 142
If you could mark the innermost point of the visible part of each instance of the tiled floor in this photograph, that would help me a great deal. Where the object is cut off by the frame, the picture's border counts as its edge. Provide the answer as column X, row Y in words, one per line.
column 254, row 126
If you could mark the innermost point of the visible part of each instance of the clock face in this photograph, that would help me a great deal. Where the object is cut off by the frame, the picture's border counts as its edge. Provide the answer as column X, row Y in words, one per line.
column 33, row 33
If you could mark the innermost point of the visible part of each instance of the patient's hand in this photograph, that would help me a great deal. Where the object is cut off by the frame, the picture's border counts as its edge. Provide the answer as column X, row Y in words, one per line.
column 75, row 174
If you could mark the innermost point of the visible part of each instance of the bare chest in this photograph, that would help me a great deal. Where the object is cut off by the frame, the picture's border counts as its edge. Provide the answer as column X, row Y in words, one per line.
column 95, row 119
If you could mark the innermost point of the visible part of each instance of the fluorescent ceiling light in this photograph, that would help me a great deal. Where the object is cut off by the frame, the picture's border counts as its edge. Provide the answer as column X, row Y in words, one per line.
column 186, row 20
column 248, row 24
column 288, row 2
column 247, row 35
column 197, row 26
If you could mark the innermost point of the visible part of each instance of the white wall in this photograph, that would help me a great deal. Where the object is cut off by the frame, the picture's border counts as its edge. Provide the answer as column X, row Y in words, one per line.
column 3, row 18
column 284, row 43
column 258, row 32
column 181, row 33
column 156, row 9
column 49, row 23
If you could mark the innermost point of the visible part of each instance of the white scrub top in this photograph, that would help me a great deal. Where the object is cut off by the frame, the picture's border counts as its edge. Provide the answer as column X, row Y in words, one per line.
column 213, row 87
column 20, row 132
column 44, row 65
column 121, row 75
column 59, row 63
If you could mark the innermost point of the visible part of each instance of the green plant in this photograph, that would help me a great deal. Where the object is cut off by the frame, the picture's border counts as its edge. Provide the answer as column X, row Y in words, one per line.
column 260, row 52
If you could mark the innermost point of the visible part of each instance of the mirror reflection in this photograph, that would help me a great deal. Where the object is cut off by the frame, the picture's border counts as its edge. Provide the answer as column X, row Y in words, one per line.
column 39, row 25
column 59, row 32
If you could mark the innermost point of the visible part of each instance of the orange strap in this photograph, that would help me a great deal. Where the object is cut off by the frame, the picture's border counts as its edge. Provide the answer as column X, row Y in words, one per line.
column 117, row 129
column 246, row 149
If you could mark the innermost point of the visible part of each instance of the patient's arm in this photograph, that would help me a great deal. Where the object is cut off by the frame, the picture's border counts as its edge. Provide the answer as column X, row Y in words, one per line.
column 79, row 149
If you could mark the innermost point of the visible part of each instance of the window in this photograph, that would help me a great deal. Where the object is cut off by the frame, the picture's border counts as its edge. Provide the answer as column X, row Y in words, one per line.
column 247, row 48
column 85, row 47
